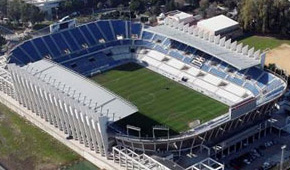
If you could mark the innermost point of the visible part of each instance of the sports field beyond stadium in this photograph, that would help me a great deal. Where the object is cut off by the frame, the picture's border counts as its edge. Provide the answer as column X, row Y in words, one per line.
column 159, row 99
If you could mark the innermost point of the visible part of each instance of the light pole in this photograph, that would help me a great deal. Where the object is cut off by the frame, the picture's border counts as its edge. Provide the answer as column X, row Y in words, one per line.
column 282, row 156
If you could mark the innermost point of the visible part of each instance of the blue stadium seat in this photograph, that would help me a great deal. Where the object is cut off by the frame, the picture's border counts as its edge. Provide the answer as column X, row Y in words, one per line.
column 136, row 28
column 31, row 51
column 191, row 50
column 126, row 42
column 254, row 72
column 71, row 41
column 144, row 44
column 106, row 29
column 19, row 57
column 96, row 48
column 235, row 80
column 205, row 67
column 60, row 42
column 182, row 47
column 176, row 55
column 265, row 79
column 51, row 45
column 174, row 44
column 79, row 36
column 158, row 38
column 223, row 65
column 147, row 35
column 113, row 43
column 43, row 50
column 160, row 49
column 187, row 60
column 92, row 33
column 119, row 27
column 166, row 42
column 275, row 92
column 218, row 73
column 252, row 88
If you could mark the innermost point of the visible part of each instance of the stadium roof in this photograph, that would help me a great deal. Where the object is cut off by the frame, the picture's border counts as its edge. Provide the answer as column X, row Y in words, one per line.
column 57, row 74
column 237, row 60
column 181, row 15
column 217, row 23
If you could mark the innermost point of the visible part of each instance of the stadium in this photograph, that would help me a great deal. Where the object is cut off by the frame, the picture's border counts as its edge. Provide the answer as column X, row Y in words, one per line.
column 145, row 97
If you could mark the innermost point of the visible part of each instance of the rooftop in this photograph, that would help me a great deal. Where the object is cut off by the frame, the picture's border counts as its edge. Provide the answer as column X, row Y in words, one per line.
column 182, row 15
column 217, row 23
column 86, row 91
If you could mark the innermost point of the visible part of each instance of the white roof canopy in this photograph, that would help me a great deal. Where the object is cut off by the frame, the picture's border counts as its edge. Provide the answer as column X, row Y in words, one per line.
column 89, row 92
column 237, row 60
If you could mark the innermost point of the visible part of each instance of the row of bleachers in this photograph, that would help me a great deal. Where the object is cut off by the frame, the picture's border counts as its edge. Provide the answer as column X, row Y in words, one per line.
column 252, row 88
column 52, row 46
column 147, row 35
column 264, row 79
column 218, row 73
column 30, row 50
column 40, row 45
column 254, row 72
column 187, row 60
column 235, row 80
column 80, row 42
column 275, row 92
column 135, row 28
column 65, row 43
column 166, row 43
column 119, row 28
column 72, row 42
column 146, row 44
column 106, row 30
column 57, row 38
column 79, row 36
column 158, row 38
column 176, row 55
column 223, row 65
column 272, row 85
column 160, row 49
column 85, row 30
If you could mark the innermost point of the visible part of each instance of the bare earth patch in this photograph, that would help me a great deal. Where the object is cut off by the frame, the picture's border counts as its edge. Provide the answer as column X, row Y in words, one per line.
column 280, row 56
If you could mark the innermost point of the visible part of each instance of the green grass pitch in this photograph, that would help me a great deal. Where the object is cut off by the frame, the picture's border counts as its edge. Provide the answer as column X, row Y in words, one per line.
column 159, row 99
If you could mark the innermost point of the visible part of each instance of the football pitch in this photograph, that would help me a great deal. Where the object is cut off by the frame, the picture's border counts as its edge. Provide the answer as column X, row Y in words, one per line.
column 160, row 101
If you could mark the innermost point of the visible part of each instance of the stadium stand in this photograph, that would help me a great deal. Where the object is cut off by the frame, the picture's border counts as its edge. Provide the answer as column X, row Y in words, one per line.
column 170, row 55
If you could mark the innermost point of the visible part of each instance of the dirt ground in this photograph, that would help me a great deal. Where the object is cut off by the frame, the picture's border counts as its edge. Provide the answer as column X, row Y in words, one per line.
column 280, row 56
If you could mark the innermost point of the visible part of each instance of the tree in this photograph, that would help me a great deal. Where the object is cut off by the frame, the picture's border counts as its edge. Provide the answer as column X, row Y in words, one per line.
column 100, row 5
column 2, row 41
column 135, row 5
column 14, row 10
column 265, row 16
column 170, row 5
column 203, row 4
column 35, row 15
column 247, row 14
column 3, row 7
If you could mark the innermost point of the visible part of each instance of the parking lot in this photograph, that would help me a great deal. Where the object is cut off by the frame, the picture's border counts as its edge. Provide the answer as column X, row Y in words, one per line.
column 262, row 155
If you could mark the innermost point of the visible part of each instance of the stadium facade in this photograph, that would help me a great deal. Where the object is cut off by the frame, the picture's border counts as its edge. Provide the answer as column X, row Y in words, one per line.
column 48, row 76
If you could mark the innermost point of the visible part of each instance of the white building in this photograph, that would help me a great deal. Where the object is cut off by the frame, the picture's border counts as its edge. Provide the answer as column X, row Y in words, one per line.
column 180, row 17
column 219, row 25
column 46, row 6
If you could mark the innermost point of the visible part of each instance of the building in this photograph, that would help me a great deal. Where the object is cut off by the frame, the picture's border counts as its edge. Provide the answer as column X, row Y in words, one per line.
column 48, row 77
column 180, row 17
column 220, row 25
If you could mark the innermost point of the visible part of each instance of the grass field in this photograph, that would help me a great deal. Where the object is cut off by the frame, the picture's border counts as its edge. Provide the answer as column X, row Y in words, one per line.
column 24, row 146
column 260, row 42
column 159, row 99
